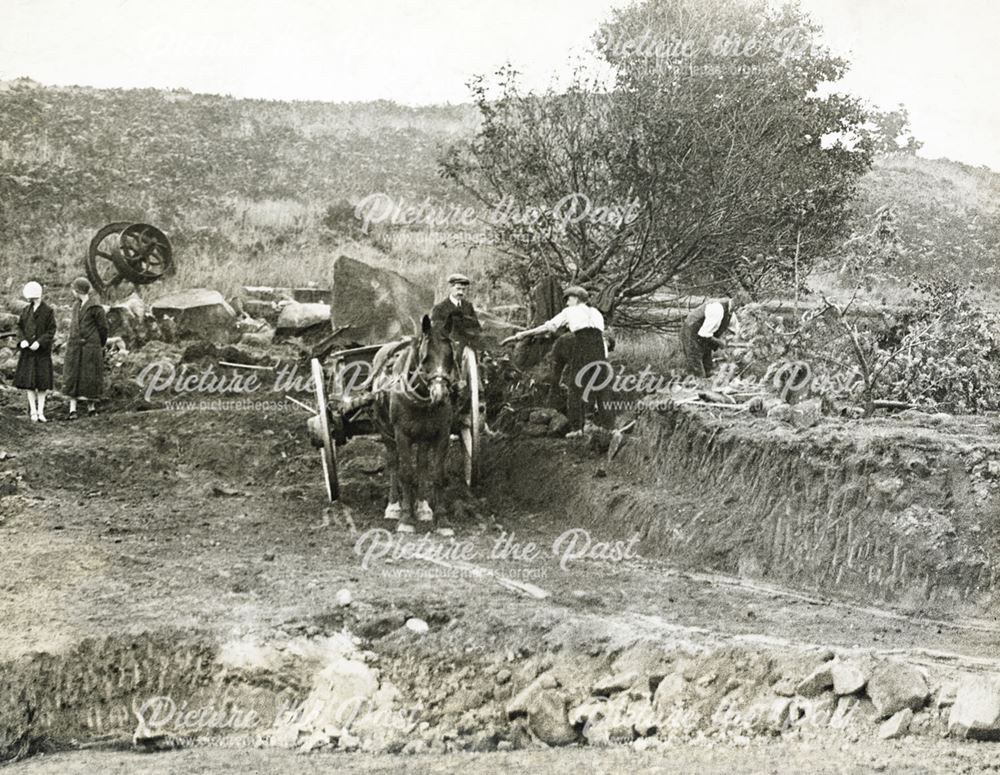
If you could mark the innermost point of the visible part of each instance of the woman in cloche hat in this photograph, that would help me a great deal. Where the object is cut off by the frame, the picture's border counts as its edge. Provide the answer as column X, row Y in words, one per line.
column 37, row 328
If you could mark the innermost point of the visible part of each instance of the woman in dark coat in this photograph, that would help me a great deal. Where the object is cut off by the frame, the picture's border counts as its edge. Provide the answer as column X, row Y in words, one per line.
column 83, row 370
column 37, row 327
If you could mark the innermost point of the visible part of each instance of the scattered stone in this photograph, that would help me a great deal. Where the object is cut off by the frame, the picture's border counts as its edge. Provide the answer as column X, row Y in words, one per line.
column 897, row 726
column 521, row 702
column 418, row 626
column 849, row 677
column 671, row 688
column 197, row 312
column 344, row 597
column 817, row 682
column 548, row 721
column 976, row 712
column 895, row 686
column 296, row 319
column 615, row 683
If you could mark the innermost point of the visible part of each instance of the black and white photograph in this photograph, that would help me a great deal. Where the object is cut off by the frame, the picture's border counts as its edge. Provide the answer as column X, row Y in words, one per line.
column 545, row 386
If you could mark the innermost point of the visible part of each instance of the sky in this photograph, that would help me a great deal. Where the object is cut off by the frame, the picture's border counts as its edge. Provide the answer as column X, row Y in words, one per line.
column 938, row 58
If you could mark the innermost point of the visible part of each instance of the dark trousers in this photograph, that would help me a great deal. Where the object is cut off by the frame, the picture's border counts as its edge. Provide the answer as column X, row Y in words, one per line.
column 697, row 352
column 588, row 348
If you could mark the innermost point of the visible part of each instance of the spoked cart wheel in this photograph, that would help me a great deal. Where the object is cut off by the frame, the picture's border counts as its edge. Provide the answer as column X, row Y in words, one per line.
column 472, row 424
column 328, row 451
column 127, row 252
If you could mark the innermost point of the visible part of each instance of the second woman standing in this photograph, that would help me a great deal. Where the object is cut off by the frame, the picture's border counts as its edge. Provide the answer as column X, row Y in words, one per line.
column 83, row 371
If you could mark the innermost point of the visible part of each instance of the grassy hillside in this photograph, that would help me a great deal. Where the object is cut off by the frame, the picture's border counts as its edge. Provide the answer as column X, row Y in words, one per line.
column 244, row 187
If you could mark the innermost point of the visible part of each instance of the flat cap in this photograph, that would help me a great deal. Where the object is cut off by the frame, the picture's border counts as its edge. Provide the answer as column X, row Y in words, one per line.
column 458, row 279
column 578, row 291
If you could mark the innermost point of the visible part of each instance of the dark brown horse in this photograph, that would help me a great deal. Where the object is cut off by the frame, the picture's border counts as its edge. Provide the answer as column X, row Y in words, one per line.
column 413, row 413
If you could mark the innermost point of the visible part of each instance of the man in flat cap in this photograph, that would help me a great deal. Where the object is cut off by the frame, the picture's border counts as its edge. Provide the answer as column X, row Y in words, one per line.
column 586, row 325
column 455, row 317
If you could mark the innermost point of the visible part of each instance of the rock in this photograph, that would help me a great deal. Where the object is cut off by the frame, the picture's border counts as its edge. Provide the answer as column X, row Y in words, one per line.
column 895, row 686
column 8, row 321
column 817, row 682
column 670, row 689
column 375, row 305
column 780, row 413
column 365, row 464
column 521, row 703
column 297, row 319
column 197, row 313
column 344, row 597
column 772, row 717
column 558, row 425
column 976, row 712
column 258, row 338
column 615, row 683
column 807, row 413
column 849, row 677
column 541, row 416
column 418, row 626
column 547, row 719
column 897, row 726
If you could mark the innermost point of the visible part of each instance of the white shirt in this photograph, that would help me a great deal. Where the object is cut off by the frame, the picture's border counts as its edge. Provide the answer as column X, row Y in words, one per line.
column 577, row 317
column 714, row 312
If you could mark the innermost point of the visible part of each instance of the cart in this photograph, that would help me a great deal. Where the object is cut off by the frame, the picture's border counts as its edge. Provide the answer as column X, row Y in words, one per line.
column 338, row 420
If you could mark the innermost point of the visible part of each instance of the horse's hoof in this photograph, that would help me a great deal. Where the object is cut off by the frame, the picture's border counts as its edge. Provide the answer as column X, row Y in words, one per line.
column 405, row 527
column 424, row 512
column 393, row 511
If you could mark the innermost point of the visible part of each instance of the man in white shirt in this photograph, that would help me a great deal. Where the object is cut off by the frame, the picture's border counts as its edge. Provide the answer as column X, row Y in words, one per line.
column 703, row 331
column 586, row 325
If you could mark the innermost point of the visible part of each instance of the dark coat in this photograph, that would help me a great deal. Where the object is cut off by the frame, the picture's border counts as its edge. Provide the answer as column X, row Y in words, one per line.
column 83, row 370
column 34, row 367
column 458, row 323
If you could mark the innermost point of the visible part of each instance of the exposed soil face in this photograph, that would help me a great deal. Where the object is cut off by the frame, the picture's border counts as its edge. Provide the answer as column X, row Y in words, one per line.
column 190, row 555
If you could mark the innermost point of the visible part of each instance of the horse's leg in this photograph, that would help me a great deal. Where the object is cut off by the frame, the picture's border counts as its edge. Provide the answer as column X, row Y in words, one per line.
column 439, row 458
column 424, row 511
column 392, row 510
column 407, row 479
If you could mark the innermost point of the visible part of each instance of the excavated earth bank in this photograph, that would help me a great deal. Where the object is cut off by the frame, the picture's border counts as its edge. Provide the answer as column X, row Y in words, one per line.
column 901, row 509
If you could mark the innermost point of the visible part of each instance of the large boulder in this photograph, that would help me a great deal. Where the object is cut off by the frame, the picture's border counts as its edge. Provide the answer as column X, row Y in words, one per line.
column 375, row 305
column 302, row 320
column 197, row 313
column 895, row 686
column 976, row 712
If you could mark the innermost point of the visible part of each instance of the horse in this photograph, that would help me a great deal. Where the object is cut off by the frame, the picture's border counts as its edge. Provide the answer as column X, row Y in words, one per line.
column 414, row 412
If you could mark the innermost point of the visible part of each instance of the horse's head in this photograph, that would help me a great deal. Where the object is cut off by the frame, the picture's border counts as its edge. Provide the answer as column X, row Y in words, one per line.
column 435, row 361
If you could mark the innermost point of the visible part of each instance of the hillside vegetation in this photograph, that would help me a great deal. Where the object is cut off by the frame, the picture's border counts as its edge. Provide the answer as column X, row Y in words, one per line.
column 254, row 191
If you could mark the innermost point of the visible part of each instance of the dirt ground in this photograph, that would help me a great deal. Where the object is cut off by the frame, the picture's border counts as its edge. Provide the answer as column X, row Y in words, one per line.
column 214, row 524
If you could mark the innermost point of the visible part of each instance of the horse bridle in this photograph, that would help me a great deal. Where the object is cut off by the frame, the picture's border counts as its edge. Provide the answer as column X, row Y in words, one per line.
column 425, row 379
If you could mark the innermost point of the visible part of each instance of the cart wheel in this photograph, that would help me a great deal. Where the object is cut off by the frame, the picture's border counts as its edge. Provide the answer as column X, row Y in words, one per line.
column 327, row 451
column 470, row 432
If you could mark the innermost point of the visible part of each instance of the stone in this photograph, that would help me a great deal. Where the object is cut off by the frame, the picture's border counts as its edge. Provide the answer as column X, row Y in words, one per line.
column 976, row 712
column 895, row 686
column 774, row 718
column 418, row 626
column 373, row 305
column 807, row 413
column 817, row 682
column 615, row 683
column 670, row 689
column 344, row 597
column 780, row 413
column 547, row 719
column 849, row 677
column 558, row 425
column 521, row 703
column 197, row 313
column 897, row 725
column 296, row 319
